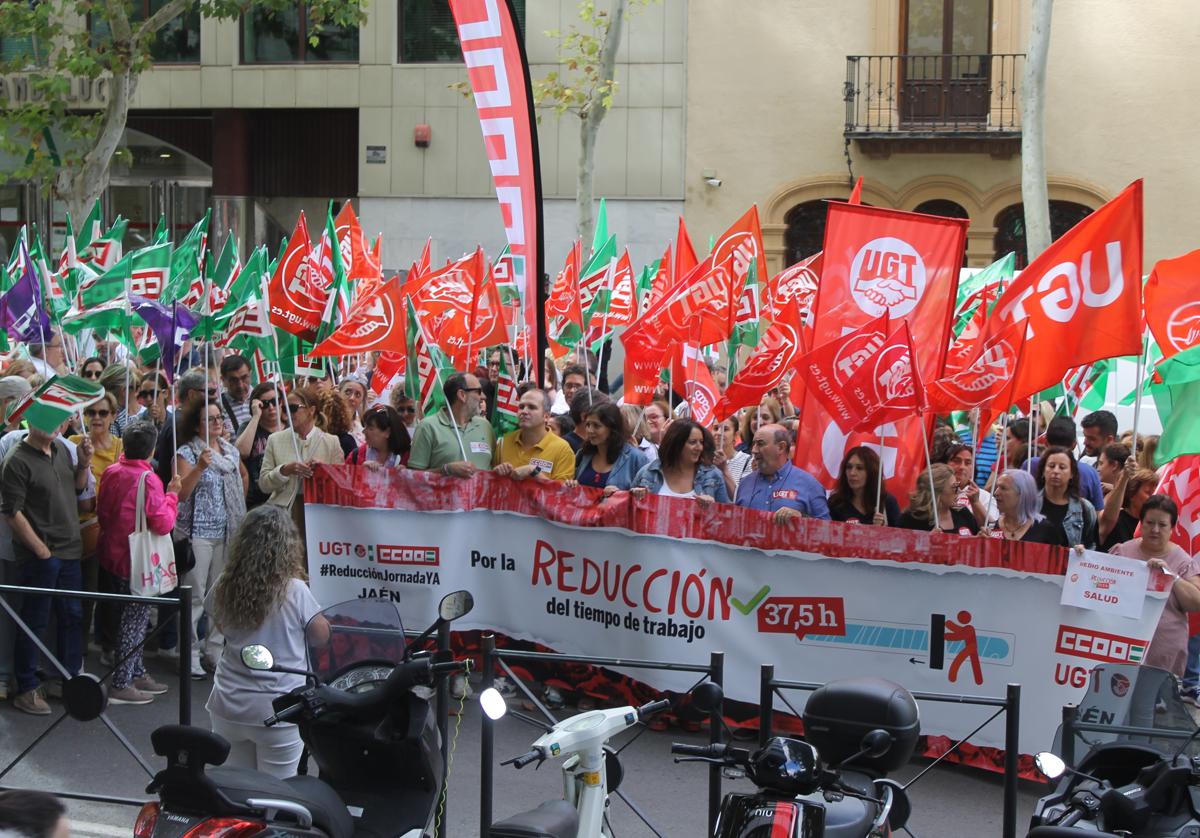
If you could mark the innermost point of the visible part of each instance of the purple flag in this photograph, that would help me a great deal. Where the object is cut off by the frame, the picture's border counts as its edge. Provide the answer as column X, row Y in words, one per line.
column 21, row 313
column 171, row 327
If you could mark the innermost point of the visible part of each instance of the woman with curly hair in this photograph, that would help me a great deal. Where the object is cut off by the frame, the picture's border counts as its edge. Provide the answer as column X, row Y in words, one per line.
column 262, row 598
column 335, row 417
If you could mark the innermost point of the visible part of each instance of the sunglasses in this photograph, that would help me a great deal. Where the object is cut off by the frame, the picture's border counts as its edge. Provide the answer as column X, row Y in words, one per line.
column 472, row 389
column 268, row 403
column 90, row 373
column 101, row 413
column 294, row 406
column 142, row 395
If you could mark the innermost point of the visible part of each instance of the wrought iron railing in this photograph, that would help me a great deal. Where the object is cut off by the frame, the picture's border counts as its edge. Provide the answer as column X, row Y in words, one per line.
column 934, row 95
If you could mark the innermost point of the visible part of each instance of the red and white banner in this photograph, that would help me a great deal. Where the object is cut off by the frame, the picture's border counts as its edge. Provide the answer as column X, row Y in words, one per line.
column 669, row 580
column 494, row 53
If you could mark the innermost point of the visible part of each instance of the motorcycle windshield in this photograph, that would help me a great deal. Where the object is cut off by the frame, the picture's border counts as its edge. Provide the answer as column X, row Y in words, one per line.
column 353, row 632
column 1127, row 695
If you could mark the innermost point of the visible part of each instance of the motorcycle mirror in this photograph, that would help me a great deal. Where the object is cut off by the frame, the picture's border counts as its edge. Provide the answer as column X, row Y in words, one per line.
column 493, row 704
column 1050, row 764
column 707, row 697
column 876, row 743
column 258, row 658
column 455, row 604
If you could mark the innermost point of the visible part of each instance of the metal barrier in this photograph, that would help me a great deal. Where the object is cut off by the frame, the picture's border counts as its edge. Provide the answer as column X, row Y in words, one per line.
column 714, row 671
column 1010, row 705
column 89, row 701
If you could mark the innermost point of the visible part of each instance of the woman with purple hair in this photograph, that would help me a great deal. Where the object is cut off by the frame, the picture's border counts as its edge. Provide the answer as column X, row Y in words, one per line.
column 1016, row 496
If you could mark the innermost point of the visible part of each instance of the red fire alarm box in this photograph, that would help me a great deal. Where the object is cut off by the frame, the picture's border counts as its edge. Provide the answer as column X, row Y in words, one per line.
column 421, row 135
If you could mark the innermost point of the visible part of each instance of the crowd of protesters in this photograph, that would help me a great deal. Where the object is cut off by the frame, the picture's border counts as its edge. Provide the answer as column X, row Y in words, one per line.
column 217, row 445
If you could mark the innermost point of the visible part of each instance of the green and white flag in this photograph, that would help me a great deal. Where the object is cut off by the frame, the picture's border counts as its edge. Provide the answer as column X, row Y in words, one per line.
column 187, row 266
column 56, row 401
column 1178, row 401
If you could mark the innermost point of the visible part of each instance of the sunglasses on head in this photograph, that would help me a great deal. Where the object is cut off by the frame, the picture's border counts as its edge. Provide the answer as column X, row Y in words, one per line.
column 101, row 413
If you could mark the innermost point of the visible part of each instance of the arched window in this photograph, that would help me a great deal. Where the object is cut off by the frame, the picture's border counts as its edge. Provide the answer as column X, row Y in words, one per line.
column 805, row 233
column 946, row 209
column 1010, row 226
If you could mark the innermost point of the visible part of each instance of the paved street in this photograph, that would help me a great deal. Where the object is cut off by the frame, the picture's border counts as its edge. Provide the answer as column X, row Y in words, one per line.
column 85, row 757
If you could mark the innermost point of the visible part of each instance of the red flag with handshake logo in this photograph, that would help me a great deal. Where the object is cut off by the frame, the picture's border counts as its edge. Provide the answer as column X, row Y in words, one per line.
column 1173, row 303
column 986, row 382
column 1082, row 296
column 877, row 263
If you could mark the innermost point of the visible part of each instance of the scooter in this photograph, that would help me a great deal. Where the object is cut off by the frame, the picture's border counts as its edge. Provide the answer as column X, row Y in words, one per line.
column 591, row 770
column 363, row 719
column 834, row 784
column 1127, row 784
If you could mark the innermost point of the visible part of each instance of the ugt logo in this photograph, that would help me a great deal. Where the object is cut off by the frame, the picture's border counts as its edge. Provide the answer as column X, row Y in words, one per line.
column 1183, row 327
column 887, row 275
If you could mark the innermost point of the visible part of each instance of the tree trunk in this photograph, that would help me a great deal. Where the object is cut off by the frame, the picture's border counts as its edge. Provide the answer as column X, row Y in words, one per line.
column 81, row 188
column 1034, row 196
column 590, row 126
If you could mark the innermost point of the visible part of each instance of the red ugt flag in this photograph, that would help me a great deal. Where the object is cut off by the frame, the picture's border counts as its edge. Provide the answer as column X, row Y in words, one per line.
column 880, row 262
column 1173, row 303
column 829, row 371
column 1082, row 296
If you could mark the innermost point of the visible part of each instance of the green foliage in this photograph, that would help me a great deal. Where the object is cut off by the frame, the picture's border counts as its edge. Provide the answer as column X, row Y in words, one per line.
column 49, row 49
column 581, row 85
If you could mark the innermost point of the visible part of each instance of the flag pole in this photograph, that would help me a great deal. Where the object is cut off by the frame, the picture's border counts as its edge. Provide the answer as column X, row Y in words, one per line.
column 283, row 388
column 929, row 467
column 1137, row 398
column 457, row 433
column 1033, row 420
column 879, row 486
column 612, row 264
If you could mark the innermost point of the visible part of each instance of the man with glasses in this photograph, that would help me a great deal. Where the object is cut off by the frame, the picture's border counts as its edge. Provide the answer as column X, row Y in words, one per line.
column 235, row 401
column 152, row 395
column 456, row 441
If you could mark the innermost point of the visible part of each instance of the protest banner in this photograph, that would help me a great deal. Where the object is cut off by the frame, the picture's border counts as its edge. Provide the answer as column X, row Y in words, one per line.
column 667, row 580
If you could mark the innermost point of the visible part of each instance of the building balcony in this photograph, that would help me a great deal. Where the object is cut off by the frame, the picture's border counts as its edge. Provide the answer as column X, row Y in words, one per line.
column 934, row 103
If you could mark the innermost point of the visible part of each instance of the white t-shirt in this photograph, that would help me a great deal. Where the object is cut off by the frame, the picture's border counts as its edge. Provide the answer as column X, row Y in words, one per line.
column 667, row 492
column 244, row 695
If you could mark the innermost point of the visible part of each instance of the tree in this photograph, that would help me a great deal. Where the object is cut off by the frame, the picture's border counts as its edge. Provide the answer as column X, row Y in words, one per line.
column 1034, row 196
column 61, row 44
column 585, row 87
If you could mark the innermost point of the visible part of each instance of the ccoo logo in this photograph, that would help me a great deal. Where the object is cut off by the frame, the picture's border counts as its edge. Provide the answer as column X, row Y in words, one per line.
column 887, row 275
column 1183, row 326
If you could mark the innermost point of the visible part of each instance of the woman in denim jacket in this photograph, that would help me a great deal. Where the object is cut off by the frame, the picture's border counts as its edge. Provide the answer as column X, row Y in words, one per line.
column 1058, row 479
column 607, row 460
column 684, row 466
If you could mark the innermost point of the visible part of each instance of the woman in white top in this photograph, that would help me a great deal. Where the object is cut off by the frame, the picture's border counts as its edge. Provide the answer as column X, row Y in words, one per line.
column 684, row 468
column 262, row 598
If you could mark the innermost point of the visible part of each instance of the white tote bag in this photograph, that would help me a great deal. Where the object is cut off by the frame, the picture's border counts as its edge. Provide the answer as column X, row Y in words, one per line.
column 151, row 556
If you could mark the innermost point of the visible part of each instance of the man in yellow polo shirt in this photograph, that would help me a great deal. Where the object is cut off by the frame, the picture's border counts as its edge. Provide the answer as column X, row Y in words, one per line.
column 531, row 450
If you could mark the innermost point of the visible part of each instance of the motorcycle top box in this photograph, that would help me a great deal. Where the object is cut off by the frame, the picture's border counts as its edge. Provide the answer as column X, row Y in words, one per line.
column 839, row 714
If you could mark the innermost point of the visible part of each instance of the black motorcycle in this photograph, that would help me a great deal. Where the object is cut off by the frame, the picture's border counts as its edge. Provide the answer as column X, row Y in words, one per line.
column 833, row 783
column 364, row 719
column 1138, row 785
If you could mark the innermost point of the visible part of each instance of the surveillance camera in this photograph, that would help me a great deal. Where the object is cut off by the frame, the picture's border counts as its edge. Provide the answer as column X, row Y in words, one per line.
column 714, row 182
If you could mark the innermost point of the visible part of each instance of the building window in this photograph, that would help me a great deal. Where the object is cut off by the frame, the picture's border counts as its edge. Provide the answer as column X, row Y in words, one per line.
column 946, row 67
column 178, row 42
column 946, row 209
column 428, row 34
column 282, row 38
column 25, row 49
column 805, row 233
column 1010, row 227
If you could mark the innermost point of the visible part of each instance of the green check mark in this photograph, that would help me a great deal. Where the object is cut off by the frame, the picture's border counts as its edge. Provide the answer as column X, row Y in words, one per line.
column 747, row 607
